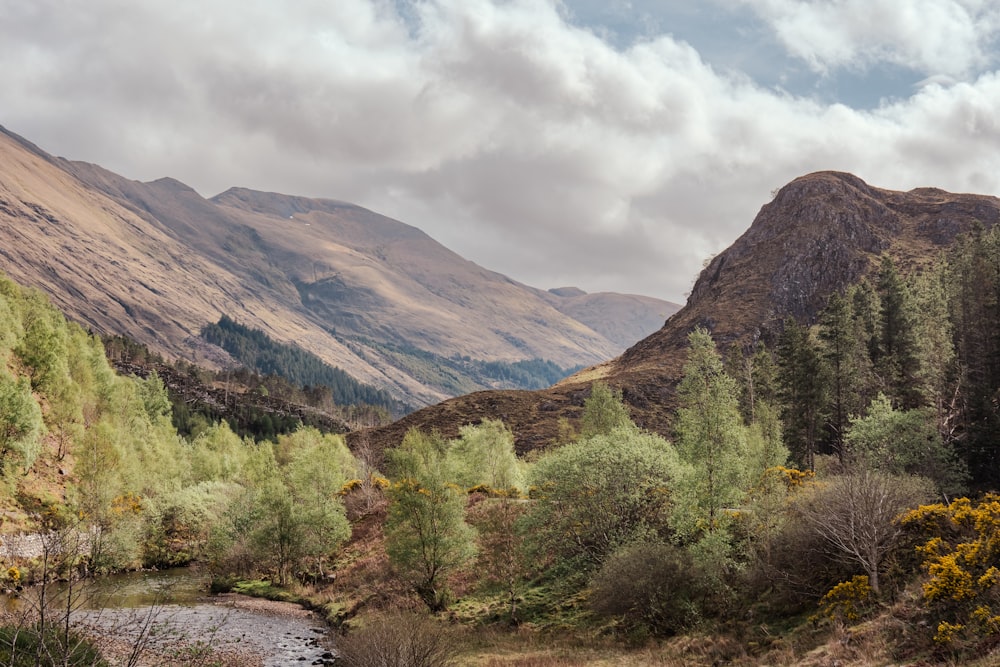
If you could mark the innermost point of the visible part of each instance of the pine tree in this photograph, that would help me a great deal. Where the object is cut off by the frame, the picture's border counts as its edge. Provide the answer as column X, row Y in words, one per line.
column 845, row 354
column 936, row 376
column 897, row 361
column 801, row 379
column 974, row 286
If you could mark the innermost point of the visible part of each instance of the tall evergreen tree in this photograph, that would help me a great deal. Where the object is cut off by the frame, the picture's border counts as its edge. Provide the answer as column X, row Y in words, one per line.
column 974, row 284
column 936, row 375
column 897, row 361
column 756, row 374
column 845, row 352
column 801, row 379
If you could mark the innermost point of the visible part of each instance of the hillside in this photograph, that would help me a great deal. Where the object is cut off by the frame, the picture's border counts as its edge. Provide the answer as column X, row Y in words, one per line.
column 615, row 316
column 380, row 299
column 822, row 232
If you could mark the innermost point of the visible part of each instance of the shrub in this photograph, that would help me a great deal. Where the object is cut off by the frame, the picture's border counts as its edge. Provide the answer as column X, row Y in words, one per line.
column 962, row 548
column 398, row 640
column 597, row 494
column 848, row 601
column 650, row 586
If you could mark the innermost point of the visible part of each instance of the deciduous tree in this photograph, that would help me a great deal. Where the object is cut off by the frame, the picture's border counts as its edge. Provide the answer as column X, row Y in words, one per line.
column 425, row 530
column 596, row 494
column 858, row 514
column 712, row 440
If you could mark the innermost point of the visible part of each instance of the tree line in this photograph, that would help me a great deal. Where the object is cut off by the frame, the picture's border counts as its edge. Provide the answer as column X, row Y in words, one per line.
column 258, row 352
column 905, row 363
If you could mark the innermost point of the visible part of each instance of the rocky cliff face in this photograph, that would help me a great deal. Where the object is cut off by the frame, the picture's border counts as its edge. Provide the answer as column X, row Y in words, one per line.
column 821, row 233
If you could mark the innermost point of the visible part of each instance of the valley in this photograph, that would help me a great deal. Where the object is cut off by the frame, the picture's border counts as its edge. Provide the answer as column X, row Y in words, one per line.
column 372, row 296
column 692, row 499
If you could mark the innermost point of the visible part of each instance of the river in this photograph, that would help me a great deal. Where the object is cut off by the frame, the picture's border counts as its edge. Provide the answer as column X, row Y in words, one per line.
column 172, row 618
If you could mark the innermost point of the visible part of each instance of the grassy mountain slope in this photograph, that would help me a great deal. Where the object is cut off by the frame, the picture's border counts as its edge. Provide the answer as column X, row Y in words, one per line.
column 617, row 317
column 157, row 262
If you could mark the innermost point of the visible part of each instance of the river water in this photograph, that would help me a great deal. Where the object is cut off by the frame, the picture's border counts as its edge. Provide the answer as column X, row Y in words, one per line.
column 170, row 613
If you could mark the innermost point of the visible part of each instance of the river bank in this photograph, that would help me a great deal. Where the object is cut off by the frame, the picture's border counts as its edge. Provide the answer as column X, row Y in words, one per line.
column 167, row 617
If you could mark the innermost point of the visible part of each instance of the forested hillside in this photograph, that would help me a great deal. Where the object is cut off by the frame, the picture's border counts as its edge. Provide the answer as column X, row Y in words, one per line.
column 258, row 352
column 86, row 449
column 912, row 361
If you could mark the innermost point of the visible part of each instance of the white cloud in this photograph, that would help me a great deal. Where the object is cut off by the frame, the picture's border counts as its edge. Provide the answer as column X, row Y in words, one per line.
column 951, row 37
column 526, row 144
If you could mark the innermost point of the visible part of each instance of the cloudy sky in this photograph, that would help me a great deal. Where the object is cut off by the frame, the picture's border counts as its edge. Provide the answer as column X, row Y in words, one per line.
column 608, row 144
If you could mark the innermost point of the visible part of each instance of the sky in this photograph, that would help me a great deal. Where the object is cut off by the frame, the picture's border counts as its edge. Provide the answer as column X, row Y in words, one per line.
column 611, row 145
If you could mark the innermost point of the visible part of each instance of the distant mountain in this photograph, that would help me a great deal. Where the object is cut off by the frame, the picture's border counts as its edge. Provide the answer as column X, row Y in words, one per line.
column 617, row 317
column 368, row 294
column 821, row 233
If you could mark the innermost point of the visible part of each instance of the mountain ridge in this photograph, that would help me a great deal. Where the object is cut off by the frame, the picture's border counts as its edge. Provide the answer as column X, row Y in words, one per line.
column 157, row 261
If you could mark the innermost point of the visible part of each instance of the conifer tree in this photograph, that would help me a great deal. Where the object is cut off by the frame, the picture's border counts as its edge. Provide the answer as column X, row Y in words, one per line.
column 936, row 376
column 974, row 286
column 846, row 355
column 802, row 388
column 896, row 361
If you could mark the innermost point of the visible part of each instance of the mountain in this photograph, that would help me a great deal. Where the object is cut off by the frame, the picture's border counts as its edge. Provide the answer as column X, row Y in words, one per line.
column 617, row 317
column 821, row 233
column 378, row 298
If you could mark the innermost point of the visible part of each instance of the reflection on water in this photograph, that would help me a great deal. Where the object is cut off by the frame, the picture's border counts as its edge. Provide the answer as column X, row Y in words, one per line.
column 173, row 609
column 181, row 586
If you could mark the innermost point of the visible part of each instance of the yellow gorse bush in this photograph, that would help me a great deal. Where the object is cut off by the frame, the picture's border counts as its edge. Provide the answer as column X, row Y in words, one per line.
column 947, row 632
column 374, row 481
column 960, row 553
column 948, row 580
column 128, row 503
column 792, row 478
column 848, row 600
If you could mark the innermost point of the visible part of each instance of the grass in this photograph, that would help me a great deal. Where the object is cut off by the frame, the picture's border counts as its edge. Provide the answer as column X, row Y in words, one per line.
column 19, row 647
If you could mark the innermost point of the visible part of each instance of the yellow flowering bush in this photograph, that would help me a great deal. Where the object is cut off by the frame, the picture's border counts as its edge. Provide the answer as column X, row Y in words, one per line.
column 961, row 554
column 374, row 482
column 848, row 600
column 791, row 477
column 947, row 632
column 129, row 503
column 351, row 485
column 949, row 580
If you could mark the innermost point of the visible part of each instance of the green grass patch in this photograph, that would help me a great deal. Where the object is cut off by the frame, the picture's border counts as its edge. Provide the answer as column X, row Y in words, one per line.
column 26, row 647
column 261, row 588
